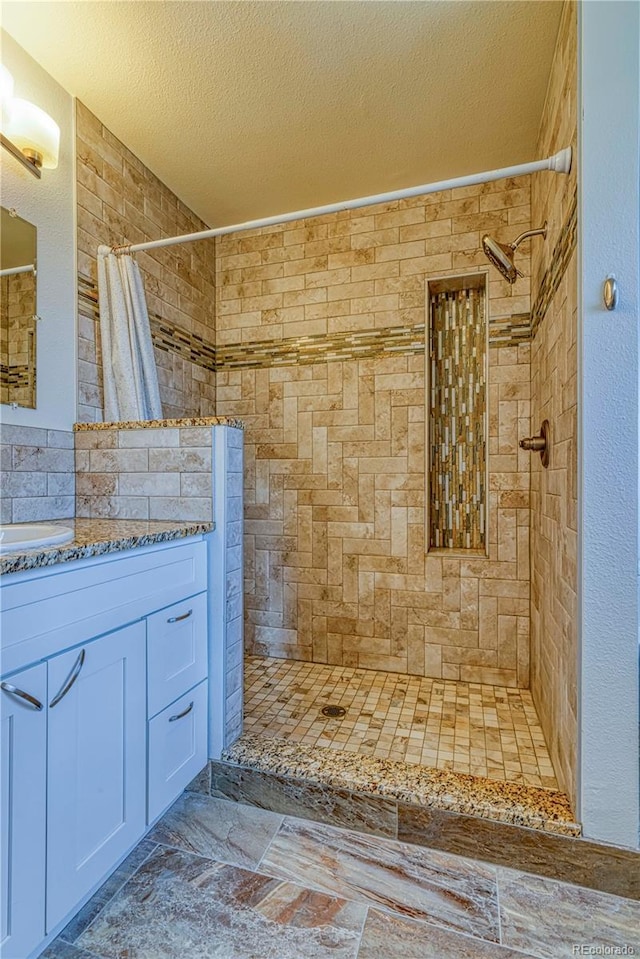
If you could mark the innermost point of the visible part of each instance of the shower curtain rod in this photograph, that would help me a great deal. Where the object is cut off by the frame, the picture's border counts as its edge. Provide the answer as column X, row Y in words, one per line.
column 560, row 163
column 14, row 270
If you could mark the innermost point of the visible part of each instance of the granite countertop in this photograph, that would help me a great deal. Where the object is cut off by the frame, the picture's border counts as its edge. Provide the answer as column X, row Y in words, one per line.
column 159, row 424
column 95, row 537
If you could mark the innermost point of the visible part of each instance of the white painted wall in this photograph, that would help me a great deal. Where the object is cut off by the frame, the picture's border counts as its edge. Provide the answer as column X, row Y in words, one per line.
column 49, row 203
column 609, row 205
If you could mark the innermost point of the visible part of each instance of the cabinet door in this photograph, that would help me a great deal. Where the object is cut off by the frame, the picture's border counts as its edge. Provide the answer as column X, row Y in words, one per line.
column 97, row 759
column 23, row 791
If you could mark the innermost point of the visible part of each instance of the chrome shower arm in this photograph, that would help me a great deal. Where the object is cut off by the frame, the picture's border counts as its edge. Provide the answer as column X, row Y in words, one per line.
column 525, row 236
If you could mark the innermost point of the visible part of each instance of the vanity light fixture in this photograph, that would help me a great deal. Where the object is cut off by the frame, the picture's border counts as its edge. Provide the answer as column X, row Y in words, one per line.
column 6, row 94
column 28, row 133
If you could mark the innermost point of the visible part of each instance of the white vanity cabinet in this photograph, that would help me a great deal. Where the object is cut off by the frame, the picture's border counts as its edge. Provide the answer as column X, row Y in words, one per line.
column 95, row 745
column 23, row 788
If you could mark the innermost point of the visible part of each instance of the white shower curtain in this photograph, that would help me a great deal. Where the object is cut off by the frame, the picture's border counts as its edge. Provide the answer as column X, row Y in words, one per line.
column 128, row 364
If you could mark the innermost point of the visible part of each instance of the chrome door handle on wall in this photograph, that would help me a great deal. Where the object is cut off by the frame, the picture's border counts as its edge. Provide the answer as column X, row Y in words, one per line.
column 539, row 444
column 178, row 619
column 28, row 698
column 73, row 675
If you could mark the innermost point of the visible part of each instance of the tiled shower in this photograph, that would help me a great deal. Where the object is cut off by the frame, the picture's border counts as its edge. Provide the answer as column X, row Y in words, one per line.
column 384, row 375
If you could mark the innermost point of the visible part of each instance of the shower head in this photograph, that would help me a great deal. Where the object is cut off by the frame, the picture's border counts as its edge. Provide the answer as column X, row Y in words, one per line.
column 502, row 254
column 502, row 258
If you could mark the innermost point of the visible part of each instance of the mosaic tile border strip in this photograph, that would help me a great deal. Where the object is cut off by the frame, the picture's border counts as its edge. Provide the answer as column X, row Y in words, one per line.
column 510, row 330
column 15, row 376
column 188, row 346
column 320, row 348
column 562, row 253
column 87, row 298
column 165, row 336
column 297, row 350
column 369, row 344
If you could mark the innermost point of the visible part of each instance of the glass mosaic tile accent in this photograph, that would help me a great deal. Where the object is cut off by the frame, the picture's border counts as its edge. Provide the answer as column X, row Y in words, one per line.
column 297, row 350
column 457, row 407
column 323, row 348
column 562, row 253
column 469, row 728
column 166, row 336
column 510, row 330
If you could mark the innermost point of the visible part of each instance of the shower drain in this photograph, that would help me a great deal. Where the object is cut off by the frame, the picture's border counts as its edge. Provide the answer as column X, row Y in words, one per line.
column 334, row 711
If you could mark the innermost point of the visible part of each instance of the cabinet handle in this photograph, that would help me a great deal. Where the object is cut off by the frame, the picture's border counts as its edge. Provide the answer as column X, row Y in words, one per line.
column 28, row 698
column 73, row 675
column 181, row 715
column 178, row 619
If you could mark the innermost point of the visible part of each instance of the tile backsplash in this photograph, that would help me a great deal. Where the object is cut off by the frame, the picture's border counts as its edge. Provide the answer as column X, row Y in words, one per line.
column 38, row 478
column 156, row 473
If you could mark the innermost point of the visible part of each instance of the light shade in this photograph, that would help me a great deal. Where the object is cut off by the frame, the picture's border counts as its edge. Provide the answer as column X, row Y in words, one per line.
column 34, row 133
column 6, row 96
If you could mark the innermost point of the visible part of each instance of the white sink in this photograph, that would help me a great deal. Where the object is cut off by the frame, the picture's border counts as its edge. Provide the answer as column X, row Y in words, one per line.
column 15, row 536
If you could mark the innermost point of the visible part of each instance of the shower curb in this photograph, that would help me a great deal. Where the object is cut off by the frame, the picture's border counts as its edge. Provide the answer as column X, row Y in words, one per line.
column 510, row 802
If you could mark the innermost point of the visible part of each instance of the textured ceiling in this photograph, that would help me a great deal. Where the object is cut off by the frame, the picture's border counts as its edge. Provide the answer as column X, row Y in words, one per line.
column 247, row 109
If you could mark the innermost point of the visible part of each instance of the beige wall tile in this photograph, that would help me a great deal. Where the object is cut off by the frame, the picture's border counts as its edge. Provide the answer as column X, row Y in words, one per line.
column 38, row 477
column 554, row 638
column 335, row 458
column 121, row 201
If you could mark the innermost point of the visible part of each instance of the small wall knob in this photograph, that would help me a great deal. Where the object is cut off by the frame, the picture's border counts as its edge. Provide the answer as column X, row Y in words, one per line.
column 539, row 444
column 610, row 292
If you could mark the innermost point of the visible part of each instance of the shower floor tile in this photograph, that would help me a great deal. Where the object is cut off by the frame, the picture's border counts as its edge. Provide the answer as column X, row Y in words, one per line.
column 490, row 731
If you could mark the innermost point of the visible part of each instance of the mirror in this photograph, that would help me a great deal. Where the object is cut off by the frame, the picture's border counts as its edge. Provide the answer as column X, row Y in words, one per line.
column 17, row 310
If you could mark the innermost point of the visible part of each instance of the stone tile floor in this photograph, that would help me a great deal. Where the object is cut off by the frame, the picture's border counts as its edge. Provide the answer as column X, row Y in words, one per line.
column 219, row 880
column 490, row 731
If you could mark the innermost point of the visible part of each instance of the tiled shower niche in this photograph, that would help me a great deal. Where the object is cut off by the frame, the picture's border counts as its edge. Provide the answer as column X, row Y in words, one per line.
column 457, row 352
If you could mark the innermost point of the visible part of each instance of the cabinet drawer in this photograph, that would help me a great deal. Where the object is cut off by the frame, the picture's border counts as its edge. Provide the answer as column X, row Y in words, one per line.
column 176, row 651
column 75, row 602
column 177, row 749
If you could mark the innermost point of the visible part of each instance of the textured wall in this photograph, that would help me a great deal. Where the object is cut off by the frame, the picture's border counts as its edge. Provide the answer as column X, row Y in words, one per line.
column 554, row 642
column 121, row 201
column 49, row 205
column 320, row 348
